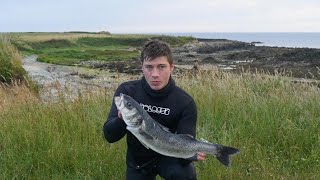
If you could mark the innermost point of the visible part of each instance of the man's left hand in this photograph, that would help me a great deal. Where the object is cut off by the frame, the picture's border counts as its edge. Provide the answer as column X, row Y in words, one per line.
column 201, row 156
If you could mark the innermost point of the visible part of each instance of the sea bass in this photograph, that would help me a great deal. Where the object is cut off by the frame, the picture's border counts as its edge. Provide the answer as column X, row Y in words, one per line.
column 157, row 137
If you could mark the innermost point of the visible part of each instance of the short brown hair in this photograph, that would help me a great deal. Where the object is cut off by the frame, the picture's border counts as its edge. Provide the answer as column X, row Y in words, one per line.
column 156, row 48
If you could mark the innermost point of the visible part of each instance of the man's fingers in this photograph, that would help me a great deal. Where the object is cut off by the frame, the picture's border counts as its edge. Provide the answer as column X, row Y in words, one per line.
column 201, row 156
column 119, row 115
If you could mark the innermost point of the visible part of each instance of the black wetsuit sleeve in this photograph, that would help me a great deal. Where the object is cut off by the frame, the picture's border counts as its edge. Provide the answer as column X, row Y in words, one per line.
column 114, row 128
column 187, row 125
column 188, row 120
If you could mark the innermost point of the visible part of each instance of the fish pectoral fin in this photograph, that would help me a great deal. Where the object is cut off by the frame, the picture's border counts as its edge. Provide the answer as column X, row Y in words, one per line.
column 146, row 135
column 139, row 131
column 132, row 129
column 142, row 133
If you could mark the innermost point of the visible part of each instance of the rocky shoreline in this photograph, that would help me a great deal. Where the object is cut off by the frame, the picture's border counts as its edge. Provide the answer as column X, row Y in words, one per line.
column 234, row 56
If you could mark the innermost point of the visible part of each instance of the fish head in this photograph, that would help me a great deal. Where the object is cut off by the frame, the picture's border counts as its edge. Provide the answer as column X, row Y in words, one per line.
column 129, row 110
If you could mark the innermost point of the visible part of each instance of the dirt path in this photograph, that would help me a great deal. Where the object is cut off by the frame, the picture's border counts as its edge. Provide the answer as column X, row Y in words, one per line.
column 44, row 73
column 69, row 81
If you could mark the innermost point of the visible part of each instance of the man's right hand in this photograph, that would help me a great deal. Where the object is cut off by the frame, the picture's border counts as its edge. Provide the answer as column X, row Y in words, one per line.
column 119, row 115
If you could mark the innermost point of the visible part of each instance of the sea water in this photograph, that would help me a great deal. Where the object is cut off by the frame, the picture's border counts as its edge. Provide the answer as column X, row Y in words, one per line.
column 279, row 39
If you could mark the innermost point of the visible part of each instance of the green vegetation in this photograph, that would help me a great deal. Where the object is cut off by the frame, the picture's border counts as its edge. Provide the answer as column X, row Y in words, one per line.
column 273, row 122
column 72, row 48
column 133, row 41
column 58, row 141
column 71, row 57
column 51, row 44
column 112, row 41
column 10, row 61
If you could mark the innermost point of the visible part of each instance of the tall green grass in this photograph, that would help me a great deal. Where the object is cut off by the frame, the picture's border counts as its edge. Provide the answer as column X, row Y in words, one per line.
column 10, row 61
column 58, row 141
column 273, row 122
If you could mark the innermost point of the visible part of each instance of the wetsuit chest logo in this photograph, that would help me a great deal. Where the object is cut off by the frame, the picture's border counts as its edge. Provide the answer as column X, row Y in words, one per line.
column 155, row 109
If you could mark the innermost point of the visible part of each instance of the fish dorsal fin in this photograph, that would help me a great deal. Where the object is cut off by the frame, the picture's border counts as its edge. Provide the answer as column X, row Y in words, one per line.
column 147, row 136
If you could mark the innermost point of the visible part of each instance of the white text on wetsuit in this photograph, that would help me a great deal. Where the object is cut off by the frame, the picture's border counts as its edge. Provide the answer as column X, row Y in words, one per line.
column 155, row 109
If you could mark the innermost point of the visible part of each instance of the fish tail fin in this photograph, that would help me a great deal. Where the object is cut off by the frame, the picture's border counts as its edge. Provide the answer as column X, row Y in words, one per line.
column 224, row 154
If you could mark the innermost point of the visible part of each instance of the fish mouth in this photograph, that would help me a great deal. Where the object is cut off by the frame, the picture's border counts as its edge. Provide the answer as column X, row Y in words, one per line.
column 117, row 101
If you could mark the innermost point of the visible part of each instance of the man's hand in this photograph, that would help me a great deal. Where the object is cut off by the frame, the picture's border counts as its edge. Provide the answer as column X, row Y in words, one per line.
column 119, row 115
column 201, row 156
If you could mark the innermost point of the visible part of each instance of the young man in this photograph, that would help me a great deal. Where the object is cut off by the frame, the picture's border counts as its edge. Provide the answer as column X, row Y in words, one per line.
column 167, row 104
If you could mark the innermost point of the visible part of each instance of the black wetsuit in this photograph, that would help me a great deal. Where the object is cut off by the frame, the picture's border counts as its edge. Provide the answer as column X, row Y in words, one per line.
column 171, row 107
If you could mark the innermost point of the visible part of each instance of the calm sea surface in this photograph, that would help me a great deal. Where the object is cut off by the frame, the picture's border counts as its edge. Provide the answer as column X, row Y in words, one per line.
column 299, row 39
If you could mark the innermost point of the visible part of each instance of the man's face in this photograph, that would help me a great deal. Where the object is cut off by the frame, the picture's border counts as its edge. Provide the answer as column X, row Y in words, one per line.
column 157, row 72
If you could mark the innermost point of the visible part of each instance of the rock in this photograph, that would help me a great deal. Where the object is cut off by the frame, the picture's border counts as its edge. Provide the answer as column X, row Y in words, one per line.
column 87, row 76
column 211, row 60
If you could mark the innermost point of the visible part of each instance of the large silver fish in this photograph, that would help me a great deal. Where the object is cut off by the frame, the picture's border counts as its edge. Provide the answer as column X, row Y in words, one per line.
column 158, row 138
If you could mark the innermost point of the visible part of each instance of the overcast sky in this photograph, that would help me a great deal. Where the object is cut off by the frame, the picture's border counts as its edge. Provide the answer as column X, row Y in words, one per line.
column 147, row 16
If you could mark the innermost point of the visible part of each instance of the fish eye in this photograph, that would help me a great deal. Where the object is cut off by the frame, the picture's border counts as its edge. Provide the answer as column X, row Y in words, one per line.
column 129, row 105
